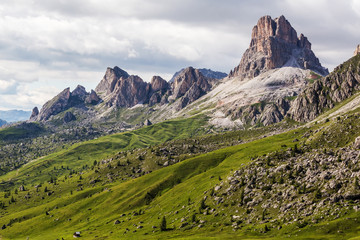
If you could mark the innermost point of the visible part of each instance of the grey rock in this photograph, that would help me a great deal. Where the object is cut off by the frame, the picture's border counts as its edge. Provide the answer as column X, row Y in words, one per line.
column 273, row 44
column 69, row 117
column 34, row 113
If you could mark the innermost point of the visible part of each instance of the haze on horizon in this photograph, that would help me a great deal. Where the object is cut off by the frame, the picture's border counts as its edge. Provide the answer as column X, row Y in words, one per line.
column 46, row 46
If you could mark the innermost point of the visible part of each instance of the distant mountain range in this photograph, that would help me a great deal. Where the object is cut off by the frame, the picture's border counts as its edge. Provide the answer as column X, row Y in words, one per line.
column 275, row 68
column 2, row 122
column 14, row 115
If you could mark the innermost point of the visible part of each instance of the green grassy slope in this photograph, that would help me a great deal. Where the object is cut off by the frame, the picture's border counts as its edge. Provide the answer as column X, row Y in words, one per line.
column 93, row 210
column 84, row 154
column 175, row 192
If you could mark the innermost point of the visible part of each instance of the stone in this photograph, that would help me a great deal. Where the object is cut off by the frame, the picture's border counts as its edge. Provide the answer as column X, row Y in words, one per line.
column 356, row 144
column 117, row 222
column 147, row 122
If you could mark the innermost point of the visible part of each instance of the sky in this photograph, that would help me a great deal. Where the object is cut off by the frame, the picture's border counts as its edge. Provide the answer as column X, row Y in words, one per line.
column 46, row 46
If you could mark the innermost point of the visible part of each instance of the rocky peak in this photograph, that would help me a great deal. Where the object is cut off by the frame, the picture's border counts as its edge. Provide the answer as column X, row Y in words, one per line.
column 158, row 84
column 79, row 92
column 326, row 92
column 55, row 105
column 128, row 92
column 110, row 79
column 34, row 113
column 186, row 79
column 273, row 44
column 357, row 50
column 93, row 98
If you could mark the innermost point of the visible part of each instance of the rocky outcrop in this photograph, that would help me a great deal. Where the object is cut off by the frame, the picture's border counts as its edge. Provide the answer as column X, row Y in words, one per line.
column 55, row 105
column 262, row 113
column 34, row 113
column 147, row 122
column 189, row 85
column 128, row 92
column 159, row 87
column 274, row 43
column 68, row 117
column 342, row 83
column 159, row 84
column 357, row 50
column 110, row 79
column 93, row 98
column 64, row 101
column 205, row 72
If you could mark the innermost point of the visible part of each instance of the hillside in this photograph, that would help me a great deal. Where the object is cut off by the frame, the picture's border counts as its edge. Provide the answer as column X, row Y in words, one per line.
column 205, row 195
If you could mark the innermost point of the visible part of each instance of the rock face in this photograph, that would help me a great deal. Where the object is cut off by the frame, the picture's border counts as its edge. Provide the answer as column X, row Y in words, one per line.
column 128, row 92
column 110, row 79
column 93, row 98
column 120, row 89
column 189, row 85
column 357, row 50
column 69, row 117
column 274, row 43
column 342, row 83
column 205, row 72
column 55, row 105
column 159, row 87
column 63, row 101
column 34, row 113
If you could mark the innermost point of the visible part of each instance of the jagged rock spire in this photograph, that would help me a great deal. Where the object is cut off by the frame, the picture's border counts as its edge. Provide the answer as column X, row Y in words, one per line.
column 274, row 43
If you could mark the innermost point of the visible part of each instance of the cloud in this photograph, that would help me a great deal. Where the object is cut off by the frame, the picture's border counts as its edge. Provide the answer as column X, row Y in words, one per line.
column 46, row 46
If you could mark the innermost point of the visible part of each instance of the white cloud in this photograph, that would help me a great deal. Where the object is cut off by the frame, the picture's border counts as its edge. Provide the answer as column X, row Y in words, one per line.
column 46, row 46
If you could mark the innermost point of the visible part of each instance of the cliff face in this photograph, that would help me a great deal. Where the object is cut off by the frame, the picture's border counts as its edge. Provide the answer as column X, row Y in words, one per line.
column 64, row 101
column 110, row 79
column 326, row 92
column 129, row 92
column 189, row 86
column 122, row 90
column 274, row 43
column 357, row 50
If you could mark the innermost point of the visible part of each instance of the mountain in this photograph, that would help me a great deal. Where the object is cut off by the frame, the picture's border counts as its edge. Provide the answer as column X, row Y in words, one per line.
column 275, row 68
column 274, row 44
column 63, row 101
column 2, row 122
column 14, row 115
column 326, row 92
column 206, row 72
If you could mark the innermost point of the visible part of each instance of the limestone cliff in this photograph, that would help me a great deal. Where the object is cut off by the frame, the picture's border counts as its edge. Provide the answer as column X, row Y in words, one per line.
column 274, row 43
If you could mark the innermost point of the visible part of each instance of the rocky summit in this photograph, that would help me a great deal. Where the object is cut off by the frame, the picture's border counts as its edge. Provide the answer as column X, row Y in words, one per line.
column 274, row 44
column 357, row 50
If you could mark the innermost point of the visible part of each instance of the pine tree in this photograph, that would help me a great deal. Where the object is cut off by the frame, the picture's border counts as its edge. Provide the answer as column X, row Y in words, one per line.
column 163, row 224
